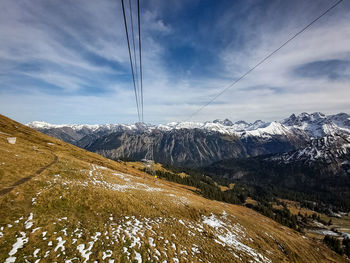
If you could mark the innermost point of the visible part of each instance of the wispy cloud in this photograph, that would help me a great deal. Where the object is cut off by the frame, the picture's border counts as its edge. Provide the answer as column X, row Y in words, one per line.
column 68, row 61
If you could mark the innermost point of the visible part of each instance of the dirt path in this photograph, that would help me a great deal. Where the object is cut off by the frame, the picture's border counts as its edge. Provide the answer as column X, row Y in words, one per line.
column 25, row 179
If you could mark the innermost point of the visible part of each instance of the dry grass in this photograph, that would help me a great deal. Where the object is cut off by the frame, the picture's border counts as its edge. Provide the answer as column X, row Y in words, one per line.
column 225, row 188
column 251, row 201
column 295, row 208
column 342, row 224
column 84, row 194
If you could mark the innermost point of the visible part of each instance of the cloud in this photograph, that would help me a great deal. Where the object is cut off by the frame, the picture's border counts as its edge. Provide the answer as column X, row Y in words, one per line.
column 68, row 62
column 333, row 69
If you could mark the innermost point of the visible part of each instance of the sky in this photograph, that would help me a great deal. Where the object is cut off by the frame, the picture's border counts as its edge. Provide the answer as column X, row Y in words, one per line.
column 66, row 61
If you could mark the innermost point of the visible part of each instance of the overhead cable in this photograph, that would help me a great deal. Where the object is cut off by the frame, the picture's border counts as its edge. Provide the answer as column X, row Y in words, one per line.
column 264, row 59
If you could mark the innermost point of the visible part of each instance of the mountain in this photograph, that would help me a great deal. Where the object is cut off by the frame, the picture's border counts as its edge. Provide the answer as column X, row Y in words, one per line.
column 199, row 144
column 328, row 150
column 60, row 203
column 318, row 172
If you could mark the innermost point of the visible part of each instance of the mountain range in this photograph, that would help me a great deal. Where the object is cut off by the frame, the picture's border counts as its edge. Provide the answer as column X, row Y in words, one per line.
column 191, row 144
column 61, row 203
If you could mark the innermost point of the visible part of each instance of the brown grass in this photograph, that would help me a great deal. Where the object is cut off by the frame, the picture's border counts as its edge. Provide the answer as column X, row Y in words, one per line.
column 67, row 189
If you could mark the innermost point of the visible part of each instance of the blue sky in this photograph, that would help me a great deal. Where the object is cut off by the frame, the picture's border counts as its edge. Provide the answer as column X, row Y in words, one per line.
column 67, row 61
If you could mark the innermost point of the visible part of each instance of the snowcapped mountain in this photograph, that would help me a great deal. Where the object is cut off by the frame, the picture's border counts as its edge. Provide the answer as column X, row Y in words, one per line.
column 328, row 149
column 196, row 143
column 329, row 140
column 314, row 125
column 79, row 127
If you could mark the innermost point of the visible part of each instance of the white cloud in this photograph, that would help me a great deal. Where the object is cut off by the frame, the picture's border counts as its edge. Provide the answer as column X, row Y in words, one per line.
column 48, row 32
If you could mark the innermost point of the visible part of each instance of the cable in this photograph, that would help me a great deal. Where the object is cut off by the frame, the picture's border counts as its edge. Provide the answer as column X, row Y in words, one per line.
column 135, row 61
column 266, row 58
column 132, row 67
column 138, row 15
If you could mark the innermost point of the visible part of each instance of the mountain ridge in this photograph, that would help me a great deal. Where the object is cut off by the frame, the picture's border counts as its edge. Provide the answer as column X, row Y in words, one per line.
column 341, row 120
column 193, row 144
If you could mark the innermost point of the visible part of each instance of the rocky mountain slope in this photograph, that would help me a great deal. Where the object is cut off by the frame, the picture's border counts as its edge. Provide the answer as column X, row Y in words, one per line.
column 330, row 150
column 319, row 171
column 199, row 144
column 60, row 203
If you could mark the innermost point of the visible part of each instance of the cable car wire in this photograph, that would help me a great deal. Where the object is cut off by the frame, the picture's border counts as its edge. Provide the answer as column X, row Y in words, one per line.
column 131, row 64
column 140, row 53
column 264, row 59
column 135, row 61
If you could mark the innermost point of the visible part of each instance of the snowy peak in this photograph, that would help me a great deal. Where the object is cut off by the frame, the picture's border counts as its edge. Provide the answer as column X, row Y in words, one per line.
column 273, row 128
column 328, row 149
column 225, row 122
column 318, row 124
column 45, row 125
column 314, row 125
column 42, row 125
column 342, row 120
column 298, row 120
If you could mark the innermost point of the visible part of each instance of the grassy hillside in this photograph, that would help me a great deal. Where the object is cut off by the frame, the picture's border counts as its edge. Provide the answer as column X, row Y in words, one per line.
column 84, row 207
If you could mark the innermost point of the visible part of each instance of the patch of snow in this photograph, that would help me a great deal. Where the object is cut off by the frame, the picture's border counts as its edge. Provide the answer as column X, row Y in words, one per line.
column 318, row 224
column 71, row 260
column 195, row 250
column 35, row 229
column 345, row 235
column 107, row 254
column 60, row 244
column 10, row 260
column 125, row 177
column 181, row 222
column 29, row 222
column 231, row 235
column 138, row 257
column 326, row 232
column 36, row 251
column 16, row 246
column 212, row 221
column 151, row 242
column 101, row 182
column 64, row 231
column 85, row 253
column 95, row 238
column 11, row 140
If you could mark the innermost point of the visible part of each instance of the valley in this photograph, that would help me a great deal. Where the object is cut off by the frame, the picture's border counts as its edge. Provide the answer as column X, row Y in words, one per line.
column 86, row 207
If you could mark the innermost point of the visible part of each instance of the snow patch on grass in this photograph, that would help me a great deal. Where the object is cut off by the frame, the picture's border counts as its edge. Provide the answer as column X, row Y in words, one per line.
column 107, row 254
column 16, row 246
column 35, row 254
column 85, row 253
column 60, row 244
column 138, row 257
column 29, row 222
column 230, row 235
column 97, row 179
column 11, row 140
